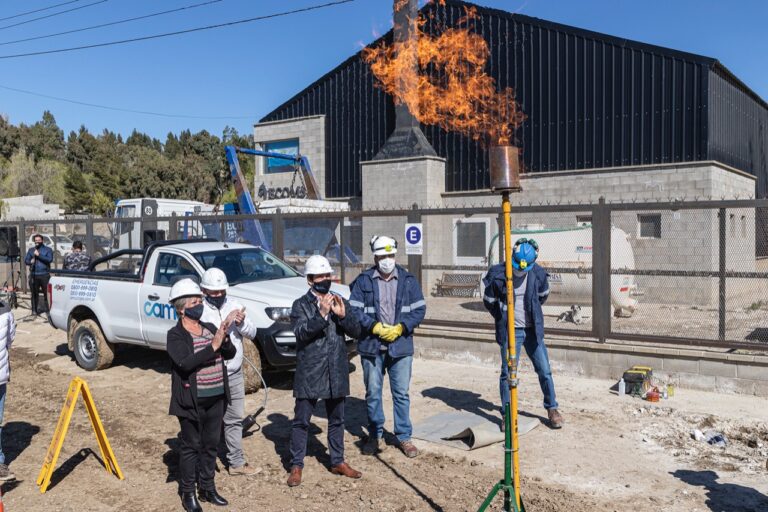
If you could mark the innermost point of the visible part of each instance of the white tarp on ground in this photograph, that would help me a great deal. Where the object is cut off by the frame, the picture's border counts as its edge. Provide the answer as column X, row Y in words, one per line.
column 466, row 431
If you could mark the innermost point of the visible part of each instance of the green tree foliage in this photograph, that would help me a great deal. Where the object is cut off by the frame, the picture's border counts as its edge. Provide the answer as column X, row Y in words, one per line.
column 23, row 176
column 88, row 172
column 9, row 140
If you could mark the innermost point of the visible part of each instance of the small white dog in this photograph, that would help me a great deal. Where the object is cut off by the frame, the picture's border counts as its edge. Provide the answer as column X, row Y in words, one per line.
column 572, row 315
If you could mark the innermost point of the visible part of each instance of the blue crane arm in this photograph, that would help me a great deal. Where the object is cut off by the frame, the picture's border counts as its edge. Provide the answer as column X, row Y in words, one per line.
column 252, row 228
column 313, row 189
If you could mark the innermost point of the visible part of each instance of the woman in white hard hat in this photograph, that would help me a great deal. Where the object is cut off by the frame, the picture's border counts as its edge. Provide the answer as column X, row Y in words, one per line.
column 320, row 323
column 199, row 391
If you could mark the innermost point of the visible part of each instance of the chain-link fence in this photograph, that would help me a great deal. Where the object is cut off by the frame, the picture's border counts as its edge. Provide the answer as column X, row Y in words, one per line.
column 683, row 272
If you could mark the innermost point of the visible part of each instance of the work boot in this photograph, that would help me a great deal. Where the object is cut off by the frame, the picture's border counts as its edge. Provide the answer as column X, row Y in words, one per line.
column 213, row 498
column 373, row 445
column 295, row 477
column 409, row 449
column 344, row 469
column 244, row 470
column 190, row 503
column 6, row 473
column 555, row 419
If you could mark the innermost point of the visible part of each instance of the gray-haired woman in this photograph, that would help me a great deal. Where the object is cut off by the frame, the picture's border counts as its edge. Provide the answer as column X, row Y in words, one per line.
column 199, row 392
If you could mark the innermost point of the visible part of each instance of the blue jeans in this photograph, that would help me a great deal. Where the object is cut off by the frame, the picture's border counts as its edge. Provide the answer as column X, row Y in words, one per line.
column 537, row 353
column 399, row 370
column 2, row 409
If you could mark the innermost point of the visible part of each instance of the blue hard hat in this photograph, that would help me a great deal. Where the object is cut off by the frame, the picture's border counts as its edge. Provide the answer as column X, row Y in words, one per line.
column 523, row 257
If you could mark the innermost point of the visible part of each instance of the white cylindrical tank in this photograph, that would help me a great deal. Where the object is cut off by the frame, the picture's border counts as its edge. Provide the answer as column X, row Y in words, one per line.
column 572, row 248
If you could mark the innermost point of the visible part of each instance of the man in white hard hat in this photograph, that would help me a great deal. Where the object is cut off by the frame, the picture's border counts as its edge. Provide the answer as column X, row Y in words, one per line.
column 389, row 305
column 217, row 306
column 321, row 319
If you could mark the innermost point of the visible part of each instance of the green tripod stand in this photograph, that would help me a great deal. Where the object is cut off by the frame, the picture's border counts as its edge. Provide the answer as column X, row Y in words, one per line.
column 511, row 483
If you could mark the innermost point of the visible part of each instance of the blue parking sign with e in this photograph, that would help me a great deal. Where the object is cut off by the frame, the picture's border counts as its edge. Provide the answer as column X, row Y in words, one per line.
column 413, row 235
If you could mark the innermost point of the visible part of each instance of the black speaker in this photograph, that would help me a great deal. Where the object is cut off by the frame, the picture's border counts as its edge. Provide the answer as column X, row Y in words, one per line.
column 9, row 242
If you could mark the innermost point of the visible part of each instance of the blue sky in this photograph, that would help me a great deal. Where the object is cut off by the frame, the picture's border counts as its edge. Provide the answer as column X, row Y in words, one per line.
column 247, row 70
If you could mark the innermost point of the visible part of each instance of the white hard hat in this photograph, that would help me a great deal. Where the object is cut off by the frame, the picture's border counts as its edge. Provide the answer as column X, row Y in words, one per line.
column 184, row 288
column 215, row 280
column 383, row 245
column 316, row 265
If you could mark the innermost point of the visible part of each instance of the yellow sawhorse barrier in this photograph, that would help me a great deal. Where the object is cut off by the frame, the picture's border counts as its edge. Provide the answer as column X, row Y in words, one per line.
column 76, row 387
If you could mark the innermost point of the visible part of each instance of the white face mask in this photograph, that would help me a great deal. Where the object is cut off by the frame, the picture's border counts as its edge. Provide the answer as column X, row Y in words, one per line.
column 386, row 265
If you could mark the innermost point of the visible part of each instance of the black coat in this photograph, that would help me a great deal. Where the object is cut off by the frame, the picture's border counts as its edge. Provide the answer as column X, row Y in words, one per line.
column 184, row 365
column 322, row 367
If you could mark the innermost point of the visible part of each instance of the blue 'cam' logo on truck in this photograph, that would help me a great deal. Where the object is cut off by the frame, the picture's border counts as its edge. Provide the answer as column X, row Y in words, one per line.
column 158, row 310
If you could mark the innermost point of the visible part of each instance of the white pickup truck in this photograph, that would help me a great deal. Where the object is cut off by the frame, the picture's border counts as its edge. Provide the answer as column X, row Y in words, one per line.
column 123, row 298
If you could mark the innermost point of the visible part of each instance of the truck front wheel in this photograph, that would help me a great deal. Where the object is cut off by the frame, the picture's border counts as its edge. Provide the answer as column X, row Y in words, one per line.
column 250, row 375
column 92, row 351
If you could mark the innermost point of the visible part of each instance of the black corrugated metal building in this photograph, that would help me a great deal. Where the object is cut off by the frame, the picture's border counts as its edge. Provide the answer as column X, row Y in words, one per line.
column 591, row 101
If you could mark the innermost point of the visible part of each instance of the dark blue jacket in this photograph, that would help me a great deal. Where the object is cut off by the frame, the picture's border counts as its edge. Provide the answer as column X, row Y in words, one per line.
column 410, row 309
column 322, row 367
column 495, row 298
column 42, row 263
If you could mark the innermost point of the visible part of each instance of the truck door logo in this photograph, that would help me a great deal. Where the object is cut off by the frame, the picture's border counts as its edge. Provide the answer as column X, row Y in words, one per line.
column 158, row 310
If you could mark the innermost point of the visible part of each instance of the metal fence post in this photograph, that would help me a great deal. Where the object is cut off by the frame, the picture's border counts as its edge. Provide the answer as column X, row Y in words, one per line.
column 55, row 247
column 414, row 260
column 173, row 228
column 23, row 254
column 278, row 234
column 89, row 236
column 601, row 270
column 721, row 277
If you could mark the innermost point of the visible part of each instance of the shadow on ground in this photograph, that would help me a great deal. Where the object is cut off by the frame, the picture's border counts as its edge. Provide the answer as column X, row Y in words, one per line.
column 463, row 400
column 17, row 436
column 722, row 497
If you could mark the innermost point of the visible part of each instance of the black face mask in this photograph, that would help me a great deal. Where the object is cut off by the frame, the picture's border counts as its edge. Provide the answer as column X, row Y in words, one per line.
column 195, row 312
column 216, row 302
column 38, row 244
column 322, row 287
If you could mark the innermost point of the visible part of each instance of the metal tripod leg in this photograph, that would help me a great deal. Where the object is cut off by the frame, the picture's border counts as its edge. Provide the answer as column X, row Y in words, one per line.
column 506, row 485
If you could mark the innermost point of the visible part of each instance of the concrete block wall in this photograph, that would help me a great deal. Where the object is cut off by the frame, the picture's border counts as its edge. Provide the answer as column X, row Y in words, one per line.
column 311, row 134
column 400, row 183
column 689, row 237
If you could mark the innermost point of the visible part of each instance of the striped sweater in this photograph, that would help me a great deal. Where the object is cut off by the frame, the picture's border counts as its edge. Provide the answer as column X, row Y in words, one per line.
column 210, row 377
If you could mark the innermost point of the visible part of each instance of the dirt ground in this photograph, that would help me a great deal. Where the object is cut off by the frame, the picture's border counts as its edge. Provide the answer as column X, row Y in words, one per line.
column 613, row 454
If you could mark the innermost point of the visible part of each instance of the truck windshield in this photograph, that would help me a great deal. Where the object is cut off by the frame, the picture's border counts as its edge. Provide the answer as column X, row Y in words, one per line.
column 246, row 265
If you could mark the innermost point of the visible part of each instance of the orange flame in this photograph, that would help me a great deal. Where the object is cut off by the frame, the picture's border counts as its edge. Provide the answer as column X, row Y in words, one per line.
column 442, row 81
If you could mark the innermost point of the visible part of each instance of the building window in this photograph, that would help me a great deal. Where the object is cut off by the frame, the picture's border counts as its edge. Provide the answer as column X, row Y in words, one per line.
column 649, row 226
column 284, row 147
column 583, row 220
column 470, row 241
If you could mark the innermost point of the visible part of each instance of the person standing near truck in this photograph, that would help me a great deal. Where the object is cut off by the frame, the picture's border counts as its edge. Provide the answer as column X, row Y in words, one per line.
column 39, row 259
column 77, row 259
column 199, row 391
column 217, row 306
column 321, row 320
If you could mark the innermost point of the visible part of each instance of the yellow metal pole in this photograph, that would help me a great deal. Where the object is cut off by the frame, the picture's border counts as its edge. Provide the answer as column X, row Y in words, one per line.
column 511, row 348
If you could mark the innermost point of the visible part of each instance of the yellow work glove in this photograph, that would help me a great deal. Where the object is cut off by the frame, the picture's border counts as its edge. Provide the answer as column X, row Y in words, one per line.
column 378, row 329
column 392, row 333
